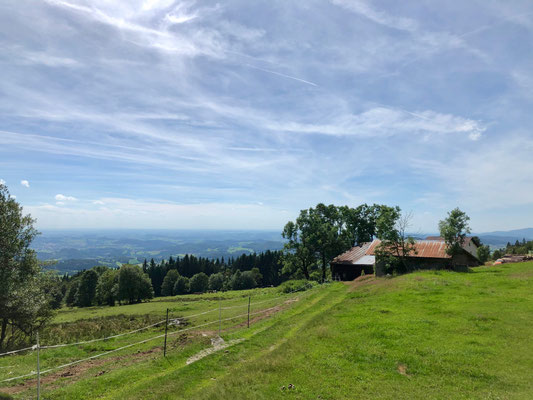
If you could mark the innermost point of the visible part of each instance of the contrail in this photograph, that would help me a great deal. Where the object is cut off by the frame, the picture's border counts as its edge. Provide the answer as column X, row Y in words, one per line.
column 280, row 74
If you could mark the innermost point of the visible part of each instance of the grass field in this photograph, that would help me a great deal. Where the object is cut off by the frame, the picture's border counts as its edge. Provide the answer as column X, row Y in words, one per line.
column 430, row 334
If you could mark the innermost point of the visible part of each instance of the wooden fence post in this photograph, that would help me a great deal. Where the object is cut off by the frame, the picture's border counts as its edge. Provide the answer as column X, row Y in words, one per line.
column 249, row 299
column 166, row 330
column 219, row 316
column 38, row 368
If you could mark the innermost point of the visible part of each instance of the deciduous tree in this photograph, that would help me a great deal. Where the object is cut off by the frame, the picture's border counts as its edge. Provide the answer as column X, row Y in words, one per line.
column 454, row 229
column 24, row 305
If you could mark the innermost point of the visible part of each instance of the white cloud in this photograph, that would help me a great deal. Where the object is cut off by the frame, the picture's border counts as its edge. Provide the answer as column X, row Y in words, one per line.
column 379, row 17
column 381, row 121
column 13, row 196
column 61, row 197
column 60, row 203
column 477, row 179
column 25, row 183
column 98, row 203
column 2, row 182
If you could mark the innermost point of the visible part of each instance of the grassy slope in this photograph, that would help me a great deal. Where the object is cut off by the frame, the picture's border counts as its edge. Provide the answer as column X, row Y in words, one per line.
column 424, row 335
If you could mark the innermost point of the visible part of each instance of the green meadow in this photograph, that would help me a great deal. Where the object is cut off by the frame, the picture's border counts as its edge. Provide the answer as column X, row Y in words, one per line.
column 425, row 335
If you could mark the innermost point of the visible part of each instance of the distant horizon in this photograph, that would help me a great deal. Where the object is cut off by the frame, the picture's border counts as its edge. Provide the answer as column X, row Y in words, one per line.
column 198, row 230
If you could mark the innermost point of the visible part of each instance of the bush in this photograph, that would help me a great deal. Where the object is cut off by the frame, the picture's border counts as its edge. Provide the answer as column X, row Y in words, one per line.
column 296, row 286
column 199, row 283
column 182, row 285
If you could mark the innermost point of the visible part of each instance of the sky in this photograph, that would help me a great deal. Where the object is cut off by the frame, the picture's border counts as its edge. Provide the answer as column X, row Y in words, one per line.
column 238, row 114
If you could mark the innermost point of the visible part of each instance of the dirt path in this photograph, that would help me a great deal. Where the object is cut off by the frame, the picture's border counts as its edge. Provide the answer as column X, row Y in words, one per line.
column 217, row 344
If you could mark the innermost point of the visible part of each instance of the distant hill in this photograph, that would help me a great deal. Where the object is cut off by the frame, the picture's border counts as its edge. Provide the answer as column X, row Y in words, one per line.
column 82, row 249
column 494, row 239
column 526, row 233
column 500, row 238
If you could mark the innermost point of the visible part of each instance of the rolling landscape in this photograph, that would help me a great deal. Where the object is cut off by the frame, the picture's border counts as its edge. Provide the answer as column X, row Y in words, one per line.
column 256, row 200
column 73, row 251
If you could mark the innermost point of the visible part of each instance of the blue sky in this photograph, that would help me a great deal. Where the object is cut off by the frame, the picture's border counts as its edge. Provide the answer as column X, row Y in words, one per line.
column 237, row 114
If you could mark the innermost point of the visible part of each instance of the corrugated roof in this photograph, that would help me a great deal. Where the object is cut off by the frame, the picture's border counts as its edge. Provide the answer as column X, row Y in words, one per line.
column 432, row 248
column 424, row 249
column 352, row 255
column 366, row 260
column 467, row 239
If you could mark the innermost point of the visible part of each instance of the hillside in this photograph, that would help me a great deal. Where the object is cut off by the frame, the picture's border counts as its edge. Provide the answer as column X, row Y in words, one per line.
column 430, row 334
column 76, row 250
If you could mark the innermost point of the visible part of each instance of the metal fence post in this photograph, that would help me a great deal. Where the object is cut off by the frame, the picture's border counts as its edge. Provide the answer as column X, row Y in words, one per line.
column 249, row 299
column 38, row 368
column 166, row 330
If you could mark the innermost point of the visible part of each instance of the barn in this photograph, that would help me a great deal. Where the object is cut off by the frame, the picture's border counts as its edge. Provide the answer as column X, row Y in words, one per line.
column 430, row 254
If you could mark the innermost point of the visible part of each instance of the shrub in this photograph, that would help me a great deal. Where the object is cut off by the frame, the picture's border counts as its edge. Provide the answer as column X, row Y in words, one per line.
column 296, row 286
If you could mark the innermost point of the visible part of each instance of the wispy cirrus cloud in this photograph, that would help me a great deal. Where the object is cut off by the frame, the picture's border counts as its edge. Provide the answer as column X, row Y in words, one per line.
column 287, row 105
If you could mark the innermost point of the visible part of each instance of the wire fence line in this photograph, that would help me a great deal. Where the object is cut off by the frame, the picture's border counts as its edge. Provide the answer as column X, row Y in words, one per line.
column 33, row 373
column 219, row 321
column 34, row 347
column 18, row 351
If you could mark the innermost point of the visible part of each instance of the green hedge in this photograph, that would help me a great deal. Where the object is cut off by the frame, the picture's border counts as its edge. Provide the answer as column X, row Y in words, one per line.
column 296, row 285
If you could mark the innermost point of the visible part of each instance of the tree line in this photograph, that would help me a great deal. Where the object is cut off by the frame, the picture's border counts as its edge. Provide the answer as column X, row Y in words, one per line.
column 102, row 285
column 519, row 248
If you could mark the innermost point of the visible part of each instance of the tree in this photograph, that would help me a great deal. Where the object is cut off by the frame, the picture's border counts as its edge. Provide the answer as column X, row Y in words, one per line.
column 216, row 281
column 72, row 292
column 454, row 229
column 395, row 244
column 199, row 283
column 483, row 253
column 298, row 252
column 248, row 280
column 133, row 285
column 24, row 305
column 107, row 288
column 242, row 280
column 360, row 222
column 257, row 276
column 182, row 285
column 497, row 254
column 87, row 288
column 167, row 288
column 319, row 234
column 53, row 288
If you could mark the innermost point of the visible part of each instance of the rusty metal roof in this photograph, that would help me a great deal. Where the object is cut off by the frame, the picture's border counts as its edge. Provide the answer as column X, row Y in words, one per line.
column 428, row 248
column 352, row 255
column 424, row 249
column 466, row 241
